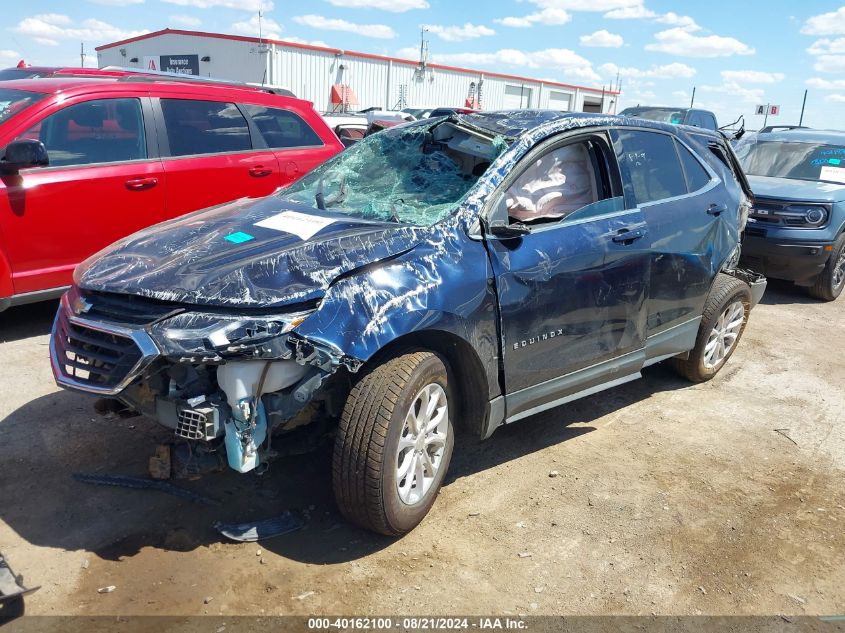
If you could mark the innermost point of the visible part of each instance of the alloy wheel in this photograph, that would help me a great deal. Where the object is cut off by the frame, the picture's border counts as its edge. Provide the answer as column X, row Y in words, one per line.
column 422, row 443
column 724, row 335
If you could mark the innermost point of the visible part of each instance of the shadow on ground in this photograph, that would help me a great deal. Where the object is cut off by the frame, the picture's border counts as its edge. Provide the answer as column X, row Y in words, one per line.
column 24, row 321
column 50, row 438
column 779, row 292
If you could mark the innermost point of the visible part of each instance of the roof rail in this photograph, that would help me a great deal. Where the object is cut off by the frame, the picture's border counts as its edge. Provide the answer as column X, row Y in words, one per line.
column 782, row 128
column 140, row 74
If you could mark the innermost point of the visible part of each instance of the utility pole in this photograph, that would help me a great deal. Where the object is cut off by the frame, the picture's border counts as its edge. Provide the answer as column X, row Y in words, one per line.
column 803, row 105
column 82, row 54
column 692, row 101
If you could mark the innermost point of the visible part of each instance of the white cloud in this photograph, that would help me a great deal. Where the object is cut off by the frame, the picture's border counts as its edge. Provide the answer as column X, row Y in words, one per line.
column 378, row 31
column 393, row 6
column 675, row 70
column 826, row 84
column 827, row 47
column 548, row 16
column 737, row 92
column 587, row 5
column 832, row 23
column 602, row 39
column 829, row 64
column 572, row 65
column 636, row 12
column 269, row 27
column 751, row 77
column 7, row 56
column 835, row 98
column 241, row 5
column 682, row 21
column 299, row 40
column 682, row 43
column 181, row 19
column 460, row 33
column 50, row 28
column 116, row 3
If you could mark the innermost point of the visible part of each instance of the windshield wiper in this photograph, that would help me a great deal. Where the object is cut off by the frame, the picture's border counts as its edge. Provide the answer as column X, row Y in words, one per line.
column 320, row 197
column 394, row 214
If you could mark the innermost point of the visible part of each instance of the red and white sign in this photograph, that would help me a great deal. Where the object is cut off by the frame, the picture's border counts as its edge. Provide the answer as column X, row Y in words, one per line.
column 151, row 63
column 774, row 110
column 770, row 110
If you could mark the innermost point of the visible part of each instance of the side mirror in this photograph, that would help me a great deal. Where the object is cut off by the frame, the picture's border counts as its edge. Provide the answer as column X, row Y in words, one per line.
column 509, row 231
column 23, row 154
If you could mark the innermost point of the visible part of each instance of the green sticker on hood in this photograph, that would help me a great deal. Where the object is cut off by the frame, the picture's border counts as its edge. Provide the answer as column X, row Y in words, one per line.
column 239, row 237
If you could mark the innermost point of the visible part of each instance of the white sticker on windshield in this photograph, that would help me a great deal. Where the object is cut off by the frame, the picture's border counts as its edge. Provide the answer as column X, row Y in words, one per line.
column 833, row 174
column 300, row 224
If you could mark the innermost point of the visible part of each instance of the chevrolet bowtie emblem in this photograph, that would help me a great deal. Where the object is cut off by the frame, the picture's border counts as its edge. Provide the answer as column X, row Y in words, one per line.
column 80, row 306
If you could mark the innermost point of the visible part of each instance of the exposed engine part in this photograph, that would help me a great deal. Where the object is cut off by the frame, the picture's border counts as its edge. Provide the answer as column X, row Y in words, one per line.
column 191, row 461
column 200, row 423
column 244, row 383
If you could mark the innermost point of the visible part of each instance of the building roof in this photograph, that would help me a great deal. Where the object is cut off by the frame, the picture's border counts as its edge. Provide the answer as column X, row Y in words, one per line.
column 338, row 51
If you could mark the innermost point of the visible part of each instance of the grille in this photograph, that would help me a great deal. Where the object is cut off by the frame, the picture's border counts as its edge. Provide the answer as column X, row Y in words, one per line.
column 129, row 309
column 755, row 231
column 776, row 213
column 197, row 424
column 92, row 357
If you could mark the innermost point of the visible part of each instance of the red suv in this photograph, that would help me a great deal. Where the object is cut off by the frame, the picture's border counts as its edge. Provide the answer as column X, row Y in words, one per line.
column 86, row 161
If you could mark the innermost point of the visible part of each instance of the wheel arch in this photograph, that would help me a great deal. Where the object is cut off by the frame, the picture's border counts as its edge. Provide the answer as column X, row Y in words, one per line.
column 465, row 369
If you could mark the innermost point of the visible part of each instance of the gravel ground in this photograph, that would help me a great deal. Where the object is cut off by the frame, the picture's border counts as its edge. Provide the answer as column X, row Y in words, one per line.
column 670, row 498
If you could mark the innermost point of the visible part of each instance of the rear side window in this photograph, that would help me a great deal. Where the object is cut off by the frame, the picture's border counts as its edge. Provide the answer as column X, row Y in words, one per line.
column 281, row 128
column 100, row 131
column 649, row 165
column 204, row 127
column 696, row 176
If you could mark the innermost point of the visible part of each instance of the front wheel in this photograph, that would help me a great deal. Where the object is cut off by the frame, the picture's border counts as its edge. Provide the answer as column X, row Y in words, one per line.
column 722, row 324
column 394, row 443
column 831, row 281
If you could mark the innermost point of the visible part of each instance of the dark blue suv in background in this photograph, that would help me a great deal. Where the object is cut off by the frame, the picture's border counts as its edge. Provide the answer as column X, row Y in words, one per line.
column 797, row 226
column 462, row 272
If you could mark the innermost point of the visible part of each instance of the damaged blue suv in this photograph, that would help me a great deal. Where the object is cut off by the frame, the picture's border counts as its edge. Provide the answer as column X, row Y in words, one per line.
column 451, row 274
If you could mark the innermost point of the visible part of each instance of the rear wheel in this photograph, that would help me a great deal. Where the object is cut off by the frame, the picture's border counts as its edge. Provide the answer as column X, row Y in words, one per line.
column 722, row 324
column 831, row 281
column 394, row 443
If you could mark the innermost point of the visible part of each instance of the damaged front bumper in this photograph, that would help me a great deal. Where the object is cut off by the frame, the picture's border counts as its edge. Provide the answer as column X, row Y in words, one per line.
column 225, row 381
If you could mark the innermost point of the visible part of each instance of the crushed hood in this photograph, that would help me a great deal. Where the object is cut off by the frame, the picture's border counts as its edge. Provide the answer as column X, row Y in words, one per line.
column 261, row 253
column 797, row 190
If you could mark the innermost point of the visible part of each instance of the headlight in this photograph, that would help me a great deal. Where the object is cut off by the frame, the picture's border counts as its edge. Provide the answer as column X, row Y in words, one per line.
column 800, row 216
column 815, row 216
column 198, row 337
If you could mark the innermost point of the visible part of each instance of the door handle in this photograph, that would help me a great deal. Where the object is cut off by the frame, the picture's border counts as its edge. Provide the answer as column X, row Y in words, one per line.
column 717, row 209
column 259, row 171
column 140, row 184
column 629, row 236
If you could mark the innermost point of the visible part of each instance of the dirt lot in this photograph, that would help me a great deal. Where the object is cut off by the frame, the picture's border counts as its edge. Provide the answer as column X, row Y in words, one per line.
column 671, row 498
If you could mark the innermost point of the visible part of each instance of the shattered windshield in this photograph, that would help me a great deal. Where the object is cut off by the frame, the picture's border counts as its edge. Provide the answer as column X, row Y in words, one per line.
column 799, row 161
column 412, row 174
column 661, row 115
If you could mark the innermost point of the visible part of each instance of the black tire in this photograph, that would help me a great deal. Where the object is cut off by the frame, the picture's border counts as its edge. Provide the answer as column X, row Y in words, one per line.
column 826, row 287
column 364, row 465
column 726, row 291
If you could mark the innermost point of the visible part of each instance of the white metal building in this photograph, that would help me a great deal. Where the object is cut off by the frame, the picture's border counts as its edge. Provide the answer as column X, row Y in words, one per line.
column 312, row 72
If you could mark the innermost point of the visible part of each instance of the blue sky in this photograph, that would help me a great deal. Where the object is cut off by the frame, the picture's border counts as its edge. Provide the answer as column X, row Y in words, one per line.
column 737, row 54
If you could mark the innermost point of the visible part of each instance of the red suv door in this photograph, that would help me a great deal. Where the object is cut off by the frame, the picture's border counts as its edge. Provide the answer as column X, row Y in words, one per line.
column 298, row 147
column 209, row 155
column 104, row 181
